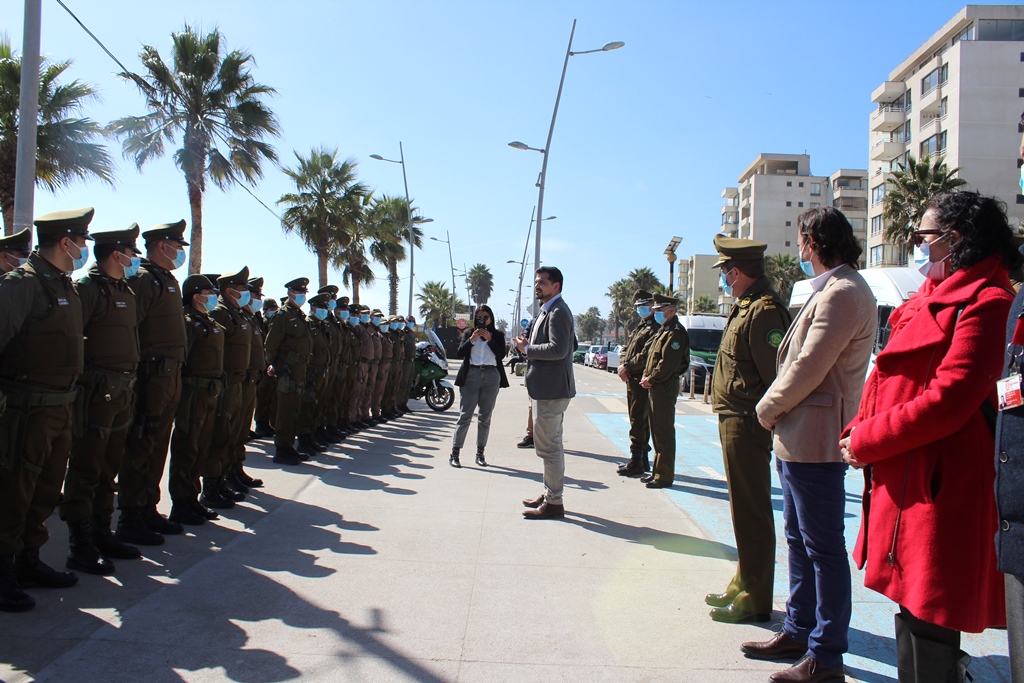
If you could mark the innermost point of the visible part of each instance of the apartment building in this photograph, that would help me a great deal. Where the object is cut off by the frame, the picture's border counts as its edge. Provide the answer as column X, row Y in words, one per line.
column 960, row 94
column 849, row 193
column 697, row 277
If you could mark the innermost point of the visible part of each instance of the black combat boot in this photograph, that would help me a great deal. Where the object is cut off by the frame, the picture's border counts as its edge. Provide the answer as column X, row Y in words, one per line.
column 227, row 490
column 305, row 449
column 12, row 597
column 208, row 513
column 647, row 462
column 234, row 483
column 480, row 457
column 133, row 528
column 83, row 555
column 243, row 477
column 264, row 430
column 634, row 468
column 156, row 522
column 185, row 512
column 453, row 460
column 325, row 435
column 212, row 497
column 109, row 545
column 286, row 455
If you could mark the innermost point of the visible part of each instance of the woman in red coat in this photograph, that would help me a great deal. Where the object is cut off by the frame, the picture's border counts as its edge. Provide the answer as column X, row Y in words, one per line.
column 927, row 533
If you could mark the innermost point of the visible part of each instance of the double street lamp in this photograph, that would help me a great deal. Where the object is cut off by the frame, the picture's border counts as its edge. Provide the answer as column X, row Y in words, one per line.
column 451, row 264
column 547, row 147
column 408, row 208
column 522, row 264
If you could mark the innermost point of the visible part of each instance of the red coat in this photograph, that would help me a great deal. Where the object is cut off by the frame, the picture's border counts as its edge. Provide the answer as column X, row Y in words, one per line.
column 920, row 425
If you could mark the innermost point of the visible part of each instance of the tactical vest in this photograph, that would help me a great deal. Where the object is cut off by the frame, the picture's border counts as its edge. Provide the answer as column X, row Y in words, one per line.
column 206, row 357
column 49, row 349
column 111, row 335
column 162, row 328
column 237, row 338
column 257, row 360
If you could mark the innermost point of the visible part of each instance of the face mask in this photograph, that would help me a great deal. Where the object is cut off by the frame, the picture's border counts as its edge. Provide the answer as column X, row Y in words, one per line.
column 724, row 284
column 643, row 311
column 300, row 299
column 243, row 299
column 401, row 326
column 331, row 305
column 133, row 268
column 255, row 305
column 269, row 313
column 179, row 258
column 79, row 260
column 376, row 321
column 364, row 318
column 320, row 313
column 934, row 270
column 659, row 317
column 211, row 302
column 808, row 268
column 412, row 325
column 394, row 326
column 344, row 315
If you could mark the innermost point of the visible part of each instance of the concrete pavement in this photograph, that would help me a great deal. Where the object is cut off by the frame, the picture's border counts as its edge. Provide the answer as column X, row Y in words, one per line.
column 379, row 562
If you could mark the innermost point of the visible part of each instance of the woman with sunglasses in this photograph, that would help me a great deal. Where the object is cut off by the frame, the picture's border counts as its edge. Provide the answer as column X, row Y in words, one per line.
column 479, row 379
column 925, row 428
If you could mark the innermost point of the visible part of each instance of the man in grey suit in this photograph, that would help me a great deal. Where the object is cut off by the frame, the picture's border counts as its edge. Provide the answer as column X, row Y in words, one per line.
column 550, row 383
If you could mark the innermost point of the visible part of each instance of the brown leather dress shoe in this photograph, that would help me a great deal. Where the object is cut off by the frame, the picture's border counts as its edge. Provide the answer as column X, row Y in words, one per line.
column 655, row 484
column 808, row 670
column 782, row 646
column 546, row 511
column 647, row 478
column 534, row 502
column 735, row 615
column 719, row 599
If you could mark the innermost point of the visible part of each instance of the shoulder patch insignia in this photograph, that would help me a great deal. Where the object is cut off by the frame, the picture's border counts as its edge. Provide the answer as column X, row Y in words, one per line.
column 675, row 346
column 743, row 303
column 769, row 302
column 774, row 338
column 61, row 301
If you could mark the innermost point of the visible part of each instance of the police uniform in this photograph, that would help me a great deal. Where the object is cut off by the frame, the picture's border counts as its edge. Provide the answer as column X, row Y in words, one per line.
column 229, row 425
column 633, row 361
column 157, row 392
column 668, row 358
column 388, row 408
column 353, row 351
column 330, row 407
column 314, row 388
column 408, row 365
column 239, row 478
column 103, row 409
column 287, row 347
column 202, row 383
column 41, row 358
column 266, row 388
column 370, row 359
column 15, row 250
column 383, row 364
column 744, row 369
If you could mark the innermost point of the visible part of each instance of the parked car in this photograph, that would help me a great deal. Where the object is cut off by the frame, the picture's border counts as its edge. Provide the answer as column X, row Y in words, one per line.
column 612, row 363
column 594, row 350
column 579, row 355
column 601, row 359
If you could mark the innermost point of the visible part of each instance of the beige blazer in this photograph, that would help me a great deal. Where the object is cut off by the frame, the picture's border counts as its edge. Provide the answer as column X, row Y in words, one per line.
column 822, row 363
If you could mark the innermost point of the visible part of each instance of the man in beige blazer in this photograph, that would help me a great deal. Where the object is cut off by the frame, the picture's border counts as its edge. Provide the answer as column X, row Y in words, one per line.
column 821, row 368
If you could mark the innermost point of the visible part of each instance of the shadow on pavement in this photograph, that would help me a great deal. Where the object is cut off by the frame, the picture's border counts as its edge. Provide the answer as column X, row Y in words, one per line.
column 570, row 482
column 661, row 540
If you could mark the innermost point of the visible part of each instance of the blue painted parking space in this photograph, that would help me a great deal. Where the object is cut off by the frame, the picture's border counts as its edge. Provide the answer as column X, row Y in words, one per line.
column 700, row 490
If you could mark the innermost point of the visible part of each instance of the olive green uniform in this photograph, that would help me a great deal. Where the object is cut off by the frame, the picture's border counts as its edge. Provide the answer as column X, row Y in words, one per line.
column 361, row 384
column 266, row 388
column 634, row 359
column 253, row 377
column 744, row 369
column 408, row 366
column 330, row 413
column 668, row 358
column 287, row 347
column 104, row 404
column 352, row 350
column 383, row 371
column 158, row 387
column 202, row 383
column 315, row 385
column 388, row 403
column 228, row 423
column 41, row 337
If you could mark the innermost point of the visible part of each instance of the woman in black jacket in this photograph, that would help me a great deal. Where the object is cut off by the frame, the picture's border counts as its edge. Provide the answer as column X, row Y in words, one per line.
column 479, row 379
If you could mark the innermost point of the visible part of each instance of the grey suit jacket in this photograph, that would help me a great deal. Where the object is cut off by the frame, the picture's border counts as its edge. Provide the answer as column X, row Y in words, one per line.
column 822, row 363
column 549, row 372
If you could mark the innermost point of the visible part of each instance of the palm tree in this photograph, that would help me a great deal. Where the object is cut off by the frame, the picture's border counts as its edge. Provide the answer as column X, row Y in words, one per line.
column 621, row 294
column 705, row 304
column 389, row 232
column 911, row 187
column 590, row 324
column 65, row 147
column 481, row 283
column 352, row 259
column 436, row 302
column 210, row 97
column 782, row 270
column 643, row 278
column 326, row 202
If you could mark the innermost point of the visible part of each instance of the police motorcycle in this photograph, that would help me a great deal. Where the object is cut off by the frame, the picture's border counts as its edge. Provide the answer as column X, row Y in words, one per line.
column 429, row 369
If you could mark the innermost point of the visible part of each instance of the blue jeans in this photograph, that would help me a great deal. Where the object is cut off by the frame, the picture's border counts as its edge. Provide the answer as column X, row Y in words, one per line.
column 819, row 605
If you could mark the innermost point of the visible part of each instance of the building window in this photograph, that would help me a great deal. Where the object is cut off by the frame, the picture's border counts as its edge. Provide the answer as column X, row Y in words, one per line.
column 800, row 204
column 934, row 145
column 876, row 254
column 789, row 183
column 968, row 34
column 789, row 203
column 877, row 194
column 789, row 224
column 787, row 243
column 943, row 107
column 1001, row 29
column 801, row 184
column 877, row 225
column 815, row 189
column 815, row 205
column 935, row 77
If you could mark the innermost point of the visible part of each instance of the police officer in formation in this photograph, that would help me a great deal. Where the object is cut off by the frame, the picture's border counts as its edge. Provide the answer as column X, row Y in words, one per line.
column 238, row 478
column 744, row 369
column 288, row 348
column 312, row 389
column 15, row 250
column 632, row 363
column 266, row 388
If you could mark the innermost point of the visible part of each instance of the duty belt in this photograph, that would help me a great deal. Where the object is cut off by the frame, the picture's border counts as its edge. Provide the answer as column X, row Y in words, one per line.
column 202, row 382
column 20, row 396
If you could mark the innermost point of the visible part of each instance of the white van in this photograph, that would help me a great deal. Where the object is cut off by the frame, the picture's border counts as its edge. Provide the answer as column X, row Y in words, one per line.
column 705, row 332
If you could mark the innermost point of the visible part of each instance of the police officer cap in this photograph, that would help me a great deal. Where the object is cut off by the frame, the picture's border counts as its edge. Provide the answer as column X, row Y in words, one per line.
column 737, row 249
column 299, row 284
column 212, row 277
column 193, row 284
column 400, row 318
column 642, row 297
column 662, row 300
column 284, row 300
column 19, row 241
column 355, row 309
column 321, row 300
column 167, row 231
column 270, row 303
column 343, row 300
column 119, row 238
column 239, row 278
column 364, row 309
column 331, row 290
column 392, row 318
column 256, row 285
column 376, row 311
column 61, row 223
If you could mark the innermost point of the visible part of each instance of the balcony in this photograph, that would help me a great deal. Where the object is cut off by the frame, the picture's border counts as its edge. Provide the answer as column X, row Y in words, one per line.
column 730, row 209
column 930, row 125
column 886, row 150
column 887, row 118
column 931, row 102
column 888, row 91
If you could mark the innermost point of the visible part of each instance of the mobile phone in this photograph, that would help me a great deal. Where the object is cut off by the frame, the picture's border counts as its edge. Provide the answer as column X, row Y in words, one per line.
column 480, row 323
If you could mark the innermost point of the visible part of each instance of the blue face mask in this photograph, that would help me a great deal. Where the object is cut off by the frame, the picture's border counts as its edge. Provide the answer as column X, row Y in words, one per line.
column 394, row 326
column 643, row 311
column 179, row 259
column 659, row 317
column 255, row 305
column 723, row 283
column 243, row 299
column 376, row 320
column 401, row 326
column 808, row 268
column 331, row 305
column 269, row 313
column 300, row 299
column 320, row 313
column 80, row 260
column 211, row 302
column 364, row 318
column 132, row 269
column 344, row 314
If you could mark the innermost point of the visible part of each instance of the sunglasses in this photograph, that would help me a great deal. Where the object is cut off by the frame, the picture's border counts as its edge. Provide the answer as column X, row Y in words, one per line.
column 917, row 236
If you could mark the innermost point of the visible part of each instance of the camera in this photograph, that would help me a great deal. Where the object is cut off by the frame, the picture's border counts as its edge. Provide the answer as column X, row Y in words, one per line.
column 480, row 323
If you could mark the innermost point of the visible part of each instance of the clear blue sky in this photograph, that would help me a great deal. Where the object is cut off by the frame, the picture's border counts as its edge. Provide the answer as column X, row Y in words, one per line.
column 646, row 138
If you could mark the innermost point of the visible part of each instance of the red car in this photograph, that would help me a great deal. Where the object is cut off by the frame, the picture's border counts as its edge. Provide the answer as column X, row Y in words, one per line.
column 600, row 361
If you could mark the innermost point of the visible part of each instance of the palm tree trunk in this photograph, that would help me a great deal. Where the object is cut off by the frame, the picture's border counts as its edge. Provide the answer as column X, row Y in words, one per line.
column 195, row 201
column 392, row 287
column 321, row 262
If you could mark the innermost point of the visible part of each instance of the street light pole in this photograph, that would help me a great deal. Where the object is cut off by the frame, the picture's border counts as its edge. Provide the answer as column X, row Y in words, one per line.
column 451, row 264
column 28, row 114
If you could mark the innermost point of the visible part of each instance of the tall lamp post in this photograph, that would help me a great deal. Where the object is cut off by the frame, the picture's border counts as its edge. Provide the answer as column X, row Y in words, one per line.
column 670, row 254
column 547, row 146
column 408, row 208
column 522, row 264
column 451, row 264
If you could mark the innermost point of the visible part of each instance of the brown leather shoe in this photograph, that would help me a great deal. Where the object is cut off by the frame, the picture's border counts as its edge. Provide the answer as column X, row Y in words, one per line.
column 534, row 502
column 808, row 670
column 719, row 599
column 782, row 646
column 646, row 479
column 734, row 615
column 546, row 511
